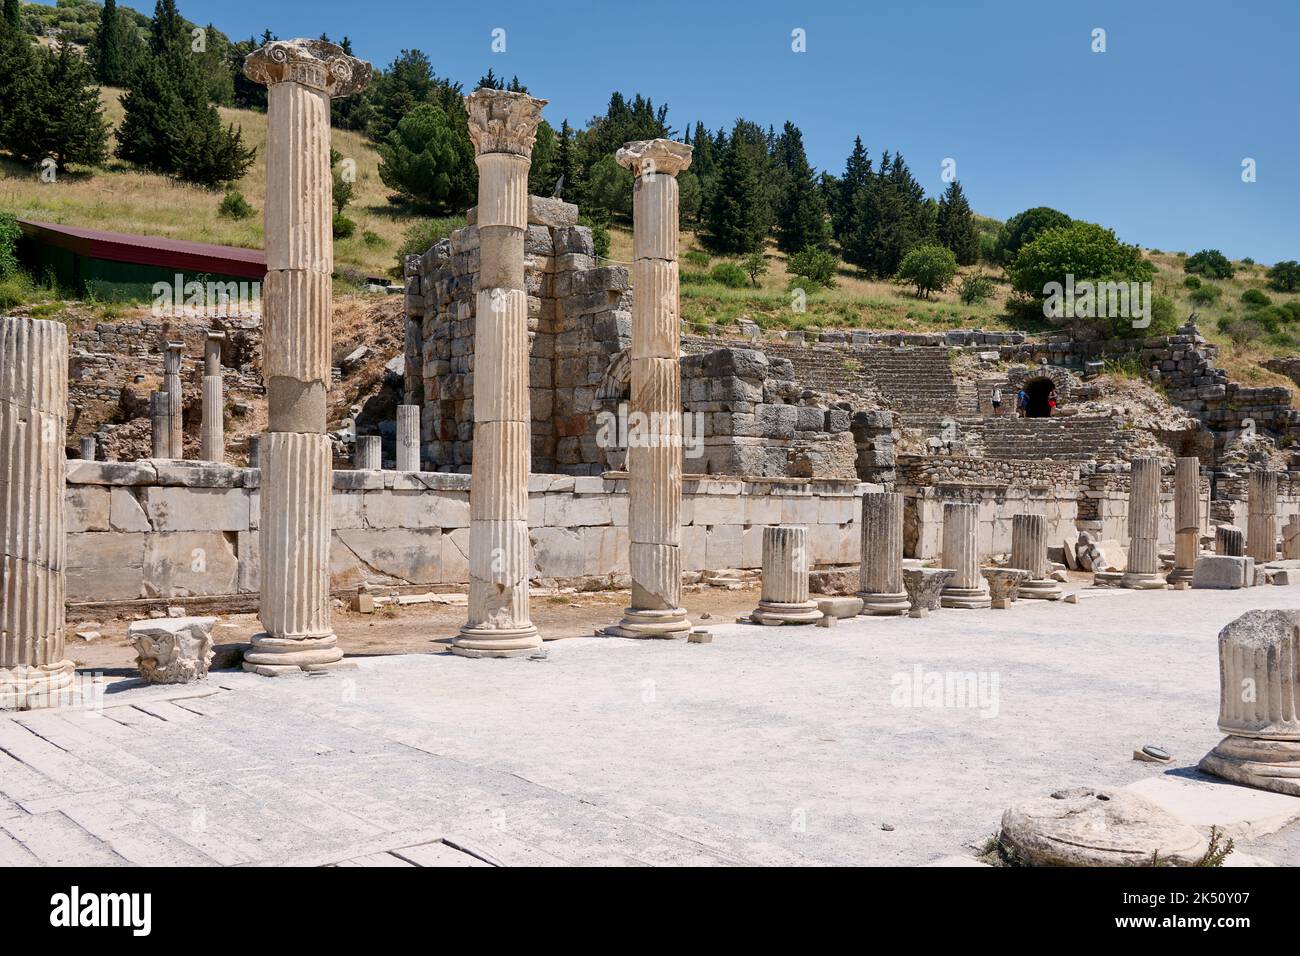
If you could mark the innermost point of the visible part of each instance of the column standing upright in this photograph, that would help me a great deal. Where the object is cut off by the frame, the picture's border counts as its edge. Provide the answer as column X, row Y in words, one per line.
column 176, row 407
column 1187, row 518
column 502, row 126
column 214, row 407
column 297, row 478
column 1143, row 570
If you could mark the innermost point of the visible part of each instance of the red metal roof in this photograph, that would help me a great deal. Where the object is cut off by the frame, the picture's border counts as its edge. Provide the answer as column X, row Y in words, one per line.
column 177, row 254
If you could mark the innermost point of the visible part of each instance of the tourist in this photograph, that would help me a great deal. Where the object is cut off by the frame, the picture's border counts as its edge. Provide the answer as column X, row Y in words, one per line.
column 1022, row 404
column 997, row 399
column 1051, row 402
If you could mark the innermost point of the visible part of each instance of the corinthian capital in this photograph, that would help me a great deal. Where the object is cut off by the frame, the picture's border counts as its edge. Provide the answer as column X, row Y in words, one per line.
column 649, row 156
column 503, row 122
column 315, row 63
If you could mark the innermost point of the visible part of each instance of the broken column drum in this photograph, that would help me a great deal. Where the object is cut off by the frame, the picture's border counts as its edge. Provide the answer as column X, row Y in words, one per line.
column 213, row 436
column 367, row 454
column 785, row 579
column 172, row 356
column 160, row 424
column 295, row 451
column 1143, row 569
column 1261, row 524
column 1029, row 553
column 408, row 437
column 967, row 588
column 880, row 575
column 1187, row 518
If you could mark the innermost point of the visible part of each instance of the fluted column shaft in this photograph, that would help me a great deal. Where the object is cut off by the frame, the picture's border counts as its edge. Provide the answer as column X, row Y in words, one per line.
column 87, row 448
column 967, row 588
column 172, row 356
column 1261, row 524
column 785, row 578
column 408, row 437
column 880, row 574
column 295, row 453
column 33, row 410
column 1029, row 553
column 1187, row 518
column 214, row 408
column 502, row 126
column 1144, row 525
column 367, row 453
column 160, row 424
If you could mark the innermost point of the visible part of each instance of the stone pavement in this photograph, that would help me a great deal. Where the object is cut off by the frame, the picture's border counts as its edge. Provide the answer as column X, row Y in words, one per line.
column 793, row 745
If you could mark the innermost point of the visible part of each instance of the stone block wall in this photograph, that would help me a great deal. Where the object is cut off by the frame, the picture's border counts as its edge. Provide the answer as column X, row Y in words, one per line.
column 164, row 529
column 1103, row 506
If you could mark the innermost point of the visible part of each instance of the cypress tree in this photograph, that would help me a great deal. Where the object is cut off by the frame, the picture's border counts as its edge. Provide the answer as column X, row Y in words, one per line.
column 565, row 161
column 110, row 57
column 955, row 225
column 891, row 217
column 13, row 16
column 19, row 85
column 857, row 177
column 801, row 214
column 67, row 122
column 735, row 221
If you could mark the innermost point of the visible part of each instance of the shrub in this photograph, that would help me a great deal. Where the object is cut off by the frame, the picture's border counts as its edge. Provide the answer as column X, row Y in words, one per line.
column 975, row 288
column 814, row 265
column 373, row 239
column 1285, row 276
column 1206, row 294
column 1164, row 317
column 234, row 206
column 1082, row 249
column 697, row 258
column 1023, row 228
column 1210, row 263
column 755, row 265
column 1247, row 261
column 1244, row 332
column 599, row 235
column 9, row 235
column 730, row 274
column 422, row 235
column 1192, row 282
column 1255, row 299
column 343, row 226
column 928, row 267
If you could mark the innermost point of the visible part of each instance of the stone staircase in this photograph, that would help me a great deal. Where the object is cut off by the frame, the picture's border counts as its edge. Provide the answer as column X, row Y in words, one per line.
column 1068, row 438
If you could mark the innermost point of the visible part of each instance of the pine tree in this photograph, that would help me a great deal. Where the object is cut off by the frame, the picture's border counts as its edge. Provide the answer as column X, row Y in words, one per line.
column 891, row 217
column 13, row 16
column 801, row 214
column 544, row 169
column 857, row 177
column 19, row 84
column 565, row 160
column 71, row 127
column 736, row 217
column 110, row 66
column 955, row 225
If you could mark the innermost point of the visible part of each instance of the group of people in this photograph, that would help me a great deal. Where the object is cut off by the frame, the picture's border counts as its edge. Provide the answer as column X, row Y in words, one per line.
column 1022, row 402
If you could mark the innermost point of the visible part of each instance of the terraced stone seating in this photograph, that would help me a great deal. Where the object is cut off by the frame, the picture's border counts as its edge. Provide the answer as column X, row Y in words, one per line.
column 1069, row 438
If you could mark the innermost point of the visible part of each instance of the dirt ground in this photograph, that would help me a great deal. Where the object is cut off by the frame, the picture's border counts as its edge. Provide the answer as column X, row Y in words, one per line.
column 422, row 628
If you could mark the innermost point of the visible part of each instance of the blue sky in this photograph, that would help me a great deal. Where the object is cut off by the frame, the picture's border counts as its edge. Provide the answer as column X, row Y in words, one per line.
column 1147, row 138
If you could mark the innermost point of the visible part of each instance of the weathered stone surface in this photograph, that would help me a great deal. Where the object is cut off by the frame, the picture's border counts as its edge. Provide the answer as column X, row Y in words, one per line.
column 1223, row 572
column 785, row 579
column 924, row 587
column 1143, row 570
column 172, row 650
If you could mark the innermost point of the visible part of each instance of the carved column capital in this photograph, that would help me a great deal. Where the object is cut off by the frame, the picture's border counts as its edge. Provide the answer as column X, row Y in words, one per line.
column 503, row 122
column 315, row 63
column 649, row 156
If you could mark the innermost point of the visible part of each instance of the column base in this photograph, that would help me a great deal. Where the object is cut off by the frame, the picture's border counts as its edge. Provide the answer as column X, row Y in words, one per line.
column 1256, row 762
column 1178, row 575
column 669, row 624
column 774, row 613
column 497, row 641
column 884, row 603
column 1142, row 580
column 32, row 687
column 965, row 598
column 269, row 653
column 1043, row 589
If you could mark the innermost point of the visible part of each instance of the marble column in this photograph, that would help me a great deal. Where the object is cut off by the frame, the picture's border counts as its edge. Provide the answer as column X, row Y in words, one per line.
column 1259, row 702
column 254, row 451
column 502, row 127
column 1029, row 554
column 785, row 579
column 160, row 424
column 87, row 446
column 1187, row 518
column 1229, row 541
column 1291, row 538
column 1261, row 524
column 654, row 460
column 214, row 405
column 33, row 419
column 880, row 573
column 367, row 453
column 967, row 587
column 1143, row 570
column 295, row 452
column 408, row 437
column 176, row 403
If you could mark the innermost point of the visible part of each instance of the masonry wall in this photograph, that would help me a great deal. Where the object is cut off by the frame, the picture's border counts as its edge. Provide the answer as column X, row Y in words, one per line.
column 175, row 529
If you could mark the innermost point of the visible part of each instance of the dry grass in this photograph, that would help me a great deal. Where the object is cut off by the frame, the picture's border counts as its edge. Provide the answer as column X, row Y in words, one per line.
column 125, row 200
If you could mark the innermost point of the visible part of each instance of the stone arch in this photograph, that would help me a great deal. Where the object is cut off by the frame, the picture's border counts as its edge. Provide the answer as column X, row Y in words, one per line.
column 1038, row 382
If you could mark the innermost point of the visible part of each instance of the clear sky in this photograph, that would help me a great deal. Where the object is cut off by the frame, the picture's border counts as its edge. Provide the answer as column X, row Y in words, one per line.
column 1147, row 138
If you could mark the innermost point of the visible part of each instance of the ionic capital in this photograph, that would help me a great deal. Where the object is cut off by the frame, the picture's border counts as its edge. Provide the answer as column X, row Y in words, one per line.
column 647, row 157
column 314, row 63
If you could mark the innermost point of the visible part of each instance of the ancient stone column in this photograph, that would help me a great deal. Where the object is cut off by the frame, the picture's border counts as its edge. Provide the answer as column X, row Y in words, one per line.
column 967, row 588
column 654, row 461
column 160, row 424
column 785, row 579
column 172, row 355
column 1261, row 525
column 880, row 575
column 1259, row 702
column 502, row 126
column 254, row 451
column 1029, row 553
column 367, row 453
column 87, row 446
column 214, row 406
column 1143, row 569
column 1187, row 518
column 297, row 478
column 408, row 437
column 1229, row 541
column 1291, row 538
column 33, row 420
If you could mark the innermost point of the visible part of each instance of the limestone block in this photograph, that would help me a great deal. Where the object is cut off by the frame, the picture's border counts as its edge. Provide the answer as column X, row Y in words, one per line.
column 196, row 509
column 111, row 472
column 415, row 509
column 172, row 650
column 1218, row 571
column 125, row 512
column 722, row 546
column 718, row 509
column 86, row 508
column 105, row 566
column 386, row 556
column 250, row 562
column 189, row 563
column 559, row 552
column 605, row 551
column 347, row 509
column 799, row 509
column 570, row 511
column 455, row 557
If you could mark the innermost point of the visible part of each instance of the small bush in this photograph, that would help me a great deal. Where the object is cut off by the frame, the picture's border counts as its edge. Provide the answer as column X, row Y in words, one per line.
column 9, row 235
column 1255, row 299
column 373, row 239
column 343, row 227
column 234, row 206
column 1206, row 294
column 697, row 258
column 1285, row 276
column 755, row 265
column 975, row 288
column 1248, row 261
column 730, row 274
column 1210, row 263
column 814, row 265
column 928, row 267
column 696, row 277
column 599, row 235
column 422, row 235
column 1192, row 282
column 1244, row 332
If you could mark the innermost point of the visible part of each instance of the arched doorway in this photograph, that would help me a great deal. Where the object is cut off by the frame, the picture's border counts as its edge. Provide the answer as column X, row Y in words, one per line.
column 1037, row 391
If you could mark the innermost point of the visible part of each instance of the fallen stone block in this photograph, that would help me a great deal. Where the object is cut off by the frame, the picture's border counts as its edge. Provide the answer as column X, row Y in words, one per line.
column 840, row 607
column 1239, row 812
column 173, row 650
column 1223, row 572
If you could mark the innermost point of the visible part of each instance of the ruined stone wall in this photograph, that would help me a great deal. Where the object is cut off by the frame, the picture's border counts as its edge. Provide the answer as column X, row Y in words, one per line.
column 997, row 504
column 1103, row 506
column 167, row 529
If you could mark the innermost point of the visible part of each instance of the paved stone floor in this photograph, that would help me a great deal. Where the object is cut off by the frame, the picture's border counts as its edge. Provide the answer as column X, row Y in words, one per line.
column 768, row 746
